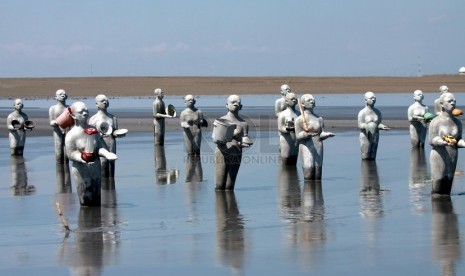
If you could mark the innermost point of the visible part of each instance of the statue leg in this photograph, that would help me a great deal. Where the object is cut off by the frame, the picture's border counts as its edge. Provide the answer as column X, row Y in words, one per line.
column 233, row 165
column 220, row 170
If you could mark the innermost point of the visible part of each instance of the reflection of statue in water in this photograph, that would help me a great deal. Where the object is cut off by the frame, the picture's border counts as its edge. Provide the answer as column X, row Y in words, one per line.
column 228, row 153
column 287, row 141
column 18, row 123
column 418, row 125
column 19, row 182
column 370, row 191
column 369, row 123
column 159, row 115
column 191, row 121
column 63, row 179
column 280, row 103
column 59, row 133
column 107, row 125
column 84, row 147
column 229, row 231
column 309, row 128
column 289, row 194
column 446, row 245
column 163, row 175
column 437, row 106
column 194, row 172
column 445, row 137
column 419, row 175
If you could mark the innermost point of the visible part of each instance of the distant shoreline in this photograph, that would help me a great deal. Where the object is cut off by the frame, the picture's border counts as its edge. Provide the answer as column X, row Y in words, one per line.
column 144, row 86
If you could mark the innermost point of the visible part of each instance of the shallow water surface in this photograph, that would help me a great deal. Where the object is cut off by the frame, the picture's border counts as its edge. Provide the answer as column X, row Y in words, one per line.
column 164, row 217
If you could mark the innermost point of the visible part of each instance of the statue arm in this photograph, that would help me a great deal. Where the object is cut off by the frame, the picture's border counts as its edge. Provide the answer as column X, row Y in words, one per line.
column 282, row 124
column 361, row 121
column 72, row 152
column 324, row 134
column 107, row 154
column 182, row 119
column 300, row 133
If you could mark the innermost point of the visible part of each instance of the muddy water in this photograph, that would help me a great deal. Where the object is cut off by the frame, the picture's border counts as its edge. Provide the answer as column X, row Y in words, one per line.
column 161, row 214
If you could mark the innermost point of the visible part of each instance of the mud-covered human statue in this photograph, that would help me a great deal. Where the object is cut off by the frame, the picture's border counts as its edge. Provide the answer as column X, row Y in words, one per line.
column 84, row 146
column 445, row 137
column 18, row 123
column 369, row 124
column 59, row 133
column 310, row 133
column 288, row 147
column 416, row 116
column 280, row 103
column 159, row 115
column 437, row 106
column 230, row 134
column 107, row 125
column 192, row 121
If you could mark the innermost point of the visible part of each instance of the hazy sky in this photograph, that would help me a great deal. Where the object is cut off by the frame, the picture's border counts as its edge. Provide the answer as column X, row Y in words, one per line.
column 57, row 38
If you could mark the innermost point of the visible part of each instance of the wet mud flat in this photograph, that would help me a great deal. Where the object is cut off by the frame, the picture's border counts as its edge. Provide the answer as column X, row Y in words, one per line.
column 161, row 214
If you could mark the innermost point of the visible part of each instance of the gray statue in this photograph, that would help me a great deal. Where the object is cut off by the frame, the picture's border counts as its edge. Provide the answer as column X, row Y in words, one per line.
column 288, row 147
column 309, row 128
column 84, row 147
column 159, row 115
column 59, row 133
column 230, row 134
column 369, row 123
column 191, row 121
column 437, row 106
column 280, row 103
column 416, row 116
column 18, row 123
column 107, row 125
column 445, row 137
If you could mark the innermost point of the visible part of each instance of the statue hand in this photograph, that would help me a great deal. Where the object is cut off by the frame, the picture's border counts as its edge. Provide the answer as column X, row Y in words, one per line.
column 185, row 124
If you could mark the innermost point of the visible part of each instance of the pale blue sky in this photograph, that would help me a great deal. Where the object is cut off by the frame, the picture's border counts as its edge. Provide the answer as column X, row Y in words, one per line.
column 58, row 38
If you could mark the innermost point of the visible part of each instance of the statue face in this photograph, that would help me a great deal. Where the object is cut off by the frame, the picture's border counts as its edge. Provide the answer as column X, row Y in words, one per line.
column 159, row 93
column 102, row 102
column 448, row 102
column 418, row 95
column 370, row 98
column 189, row 100
column 234, row 103
column 18, row 104
column 285, row 89
column 291, row 99
column 309, row 102
column 61, row 95
column 80, row 113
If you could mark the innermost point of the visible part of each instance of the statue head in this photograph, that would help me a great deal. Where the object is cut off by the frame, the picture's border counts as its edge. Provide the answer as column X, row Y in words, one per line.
column 233, row 103
column 79, row 112
column 308, row 101
column 189, row 100
column 159, row 93
column 60, row 95
column 291, row 99
column 418, row 95
column 370, row 98
column 285, row 89
column 18, row 104
column 443, row 89
column 101, row 101
column 447, row 102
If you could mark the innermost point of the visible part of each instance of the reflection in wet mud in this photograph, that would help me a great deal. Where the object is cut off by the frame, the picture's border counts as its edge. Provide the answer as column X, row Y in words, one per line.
column 63, row 179
column 229, row 231
column 96, row 238
column 445, row 234
column 419, row 174
column 194, row 178
column 19, row 181
column 371, row 204
column 162, row 175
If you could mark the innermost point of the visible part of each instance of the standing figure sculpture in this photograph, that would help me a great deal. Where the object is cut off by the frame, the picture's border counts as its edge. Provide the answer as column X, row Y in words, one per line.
column 288, row 147
column 445, row 137
column 84, row 147
column 18, row 123
column 369, row 123
column 59, row 133
column 107, row 126
column 191, row 121
column 309, row 128
column 437, row 106
column 230, row 134
column 280, row 103
column 159, row 115
column 416, row 116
